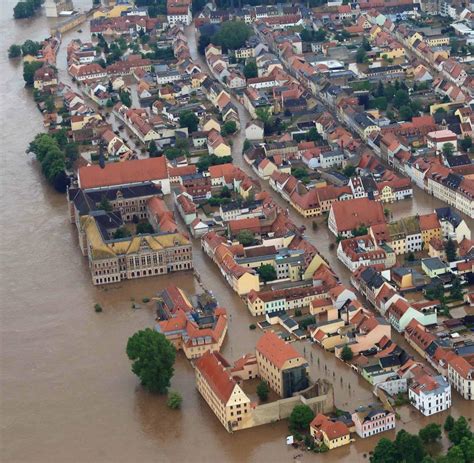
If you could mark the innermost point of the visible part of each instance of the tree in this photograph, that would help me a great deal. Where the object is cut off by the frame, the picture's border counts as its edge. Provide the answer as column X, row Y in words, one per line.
column 313, row 134
column 460, row 430
column 153, row 358
column 247, row 145
column 125, row 98
column 448, row 149
column 174, row 400
column 401, row 98
column 456, row 290
column 267, row 273
column 409, row 447
column 467, row 447
column 153, row 150
column 405, row 113
column 455, row 455
column 30, row 47
column 232, row 35
column 49, row 104
column 347, row 354
column 245, row 238
column 300, row 418
column 361, row 56
column 121, row 233
column 229, row 128
column 384, row 452
column 24, row 9
column 299, row 172
column 225, row 192
column 250, row 69
column 263, row 114
column 349, row 170
column 29, row 70
column 105, row 204
column 190, row 120
column 430, row 433
column 449, row 423
column 450, row 250
column 263, row 390
column 411, row 256
column 144, row 228
column 466, row 143
column 14, row 51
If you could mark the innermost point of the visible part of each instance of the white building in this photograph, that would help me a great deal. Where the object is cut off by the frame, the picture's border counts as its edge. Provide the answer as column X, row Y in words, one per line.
column 461, row 376
column 430, row 394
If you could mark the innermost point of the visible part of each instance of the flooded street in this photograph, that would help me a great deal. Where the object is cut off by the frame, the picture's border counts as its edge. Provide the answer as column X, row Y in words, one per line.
column 67, row 392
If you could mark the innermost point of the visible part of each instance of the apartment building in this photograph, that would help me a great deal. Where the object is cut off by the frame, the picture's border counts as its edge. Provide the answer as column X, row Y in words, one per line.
column 370, row 421
column 281, row 365
column 461, row 376
column 430, row 394
column 222, row 392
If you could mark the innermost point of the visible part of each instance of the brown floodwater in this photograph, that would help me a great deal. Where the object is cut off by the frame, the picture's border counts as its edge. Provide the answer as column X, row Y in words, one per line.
column 67, row 392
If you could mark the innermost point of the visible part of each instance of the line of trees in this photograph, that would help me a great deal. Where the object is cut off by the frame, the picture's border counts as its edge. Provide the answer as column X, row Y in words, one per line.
column 55, row 154
column 410, row 448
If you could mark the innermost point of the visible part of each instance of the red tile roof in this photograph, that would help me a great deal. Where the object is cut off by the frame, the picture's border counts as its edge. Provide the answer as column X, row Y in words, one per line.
column 122, row 173
column 213, row 368
column 353, row 213
column 276, row 350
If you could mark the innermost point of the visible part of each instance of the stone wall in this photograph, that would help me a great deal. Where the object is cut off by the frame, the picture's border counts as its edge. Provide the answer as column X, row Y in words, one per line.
column 319, row 397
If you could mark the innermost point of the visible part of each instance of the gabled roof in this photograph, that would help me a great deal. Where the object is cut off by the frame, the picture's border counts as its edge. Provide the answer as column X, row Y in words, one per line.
column 213, row 367
column 275, row 350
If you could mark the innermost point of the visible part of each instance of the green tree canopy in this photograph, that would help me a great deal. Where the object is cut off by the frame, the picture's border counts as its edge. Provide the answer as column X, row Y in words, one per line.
column 300, row 418
column 460, row 430
column 466, row 143
column 448, row 149
column 409, row 447
column 430, row 433
column 347, row 354
column 245, row 238
column 174, row 400
column 267, row 272
column 232, row 35
column 14, row 51
column 29, row 70
column 449, row 423
column 450, row 249
column 263, row 390
column 228, row 128
column 153, row 358
column 384, row 452
column 250, row 69
column 190, row 120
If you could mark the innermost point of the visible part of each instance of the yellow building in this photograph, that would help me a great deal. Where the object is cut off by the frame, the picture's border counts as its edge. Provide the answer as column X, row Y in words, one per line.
column 243, row 284
column 281, row 365
column 78, row 122
column 430, row 228
column 416, row 36
column 210, row 124
column 386, row 194
column 393, row 53
column 222, row 393
column 114, row 12
column 438, row 40
column 332, row 433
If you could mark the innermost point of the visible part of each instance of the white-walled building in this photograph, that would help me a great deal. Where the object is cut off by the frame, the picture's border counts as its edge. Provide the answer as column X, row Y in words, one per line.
column 430, row 394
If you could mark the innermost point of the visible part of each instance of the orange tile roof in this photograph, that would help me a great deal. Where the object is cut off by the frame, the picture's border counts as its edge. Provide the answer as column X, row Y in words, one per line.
column 213, row 368
column 122, row 173
column 276, row 350
column 429, row 221
column 353, row 213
